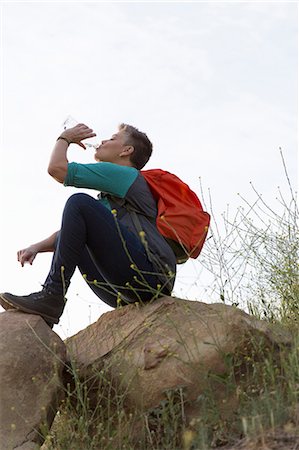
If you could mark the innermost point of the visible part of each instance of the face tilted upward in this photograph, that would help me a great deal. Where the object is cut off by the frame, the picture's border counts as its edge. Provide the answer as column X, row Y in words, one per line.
column 114, row 149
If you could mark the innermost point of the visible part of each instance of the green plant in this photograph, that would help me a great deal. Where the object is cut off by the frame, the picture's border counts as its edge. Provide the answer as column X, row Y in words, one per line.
column 254, row 257
column 166, row 423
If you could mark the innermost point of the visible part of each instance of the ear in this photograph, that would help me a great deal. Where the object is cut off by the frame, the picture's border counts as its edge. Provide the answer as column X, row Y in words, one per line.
column 128, row 150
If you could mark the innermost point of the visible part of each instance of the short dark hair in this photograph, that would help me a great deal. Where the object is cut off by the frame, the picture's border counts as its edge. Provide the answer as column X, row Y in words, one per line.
column 143, row 147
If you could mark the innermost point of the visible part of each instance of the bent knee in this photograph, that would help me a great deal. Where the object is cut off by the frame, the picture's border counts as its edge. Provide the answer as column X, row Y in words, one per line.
column 84, row 203
column 79, row 197
column 79, row 200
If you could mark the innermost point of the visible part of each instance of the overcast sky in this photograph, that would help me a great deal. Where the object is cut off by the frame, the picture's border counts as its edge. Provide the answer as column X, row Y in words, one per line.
column 214, row 85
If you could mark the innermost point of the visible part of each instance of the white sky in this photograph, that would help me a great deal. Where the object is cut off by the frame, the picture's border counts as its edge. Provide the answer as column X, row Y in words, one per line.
column 214, row 85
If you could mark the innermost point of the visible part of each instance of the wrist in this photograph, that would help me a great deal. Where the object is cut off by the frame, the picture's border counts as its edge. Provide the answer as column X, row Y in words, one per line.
column 64, row 139
column 34, row 248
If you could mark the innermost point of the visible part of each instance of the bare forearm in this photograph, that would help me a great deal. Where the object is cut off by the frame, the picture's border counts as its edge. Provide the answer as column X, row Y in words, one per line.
column 27, row 255
column 48, row 244
column 58, row 162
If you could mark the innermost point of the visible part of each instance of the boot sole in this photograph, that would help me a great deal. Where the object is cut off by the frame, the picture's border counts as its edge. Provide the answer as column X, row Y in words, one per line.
column 4, row 302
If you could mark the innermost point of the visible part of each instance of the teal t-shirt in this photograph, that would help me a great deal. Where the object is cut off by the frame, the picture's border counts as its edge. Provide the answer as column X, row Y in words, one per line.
column 103, row 176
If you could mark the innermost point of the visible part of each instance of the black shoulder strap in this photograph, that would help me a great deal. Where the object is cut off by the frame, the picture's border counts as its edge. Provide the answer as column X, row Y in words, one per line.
column 181, row 256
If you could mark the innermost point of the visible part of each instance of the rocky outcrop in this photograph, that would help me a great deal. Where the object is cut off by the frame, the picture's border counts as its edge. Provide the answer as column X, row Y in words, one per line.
column 169, row 345
column 138, row 354
column 32, row 357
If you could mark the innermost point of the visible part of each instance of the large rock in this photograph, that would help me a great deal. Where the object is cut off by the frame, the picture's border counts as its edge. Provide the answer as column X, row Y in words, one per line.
column 32, row 357
column 132, row 358
column 167, row 345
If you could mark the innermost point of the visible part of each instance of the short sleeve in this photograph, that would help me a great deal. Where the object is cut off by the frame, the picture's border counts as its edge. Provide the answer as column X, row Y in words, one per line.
column 103, row 176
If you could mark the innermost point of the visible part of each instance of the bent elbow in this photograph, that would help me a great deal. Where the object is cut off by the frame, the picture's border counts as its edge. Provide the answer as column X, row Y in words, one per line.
column 56, row 173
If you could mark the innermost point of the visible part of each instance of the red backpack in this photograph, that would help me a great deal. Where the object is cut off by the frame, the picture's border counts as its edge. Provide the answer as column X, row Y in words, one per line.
column 181, row 219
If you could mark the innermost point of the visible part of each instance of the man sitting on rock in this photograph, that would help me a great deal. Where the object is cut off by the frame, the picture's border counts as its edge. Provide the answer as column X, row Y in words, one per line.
column 120, row 264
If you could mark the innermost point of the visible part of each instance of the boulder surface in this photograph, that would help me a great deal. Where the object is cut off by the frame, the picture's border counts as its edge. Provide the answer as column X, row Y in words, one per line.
column 139, row 353
column 32, row 358
column 167, row 345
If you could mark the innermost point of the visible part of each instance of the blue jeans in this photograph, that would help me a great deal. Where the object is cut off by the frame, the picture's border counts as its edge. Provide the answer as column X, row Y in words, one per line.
column 111, row 258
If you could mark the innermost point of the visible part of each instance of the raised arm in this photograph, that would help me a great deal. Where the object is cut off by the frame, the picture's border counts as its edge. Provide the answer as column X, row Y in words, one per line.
column 58, row 162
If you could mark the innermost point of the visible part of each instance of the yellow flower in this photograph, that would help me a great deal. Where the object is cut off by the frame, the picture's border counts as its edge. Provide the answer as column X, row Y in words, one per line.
column 188, row 437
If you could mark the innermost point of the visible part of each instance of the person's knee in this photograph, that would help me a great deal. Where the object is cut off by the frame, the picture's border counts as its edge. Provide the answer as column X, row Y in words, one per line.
column 83, row 204
column 78, row 199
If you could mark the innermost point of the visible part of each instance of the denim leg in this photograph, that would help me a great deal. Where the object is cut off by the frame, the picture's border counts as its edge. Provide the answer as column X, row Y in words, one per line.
column 117, row 254
column 95, row 280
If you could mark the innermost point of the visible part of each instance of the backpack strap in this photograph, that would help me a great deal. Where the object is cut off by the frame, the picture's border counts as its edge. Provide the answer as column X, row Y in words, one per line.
column 134, row 216
column 134, row 212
